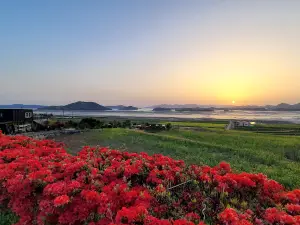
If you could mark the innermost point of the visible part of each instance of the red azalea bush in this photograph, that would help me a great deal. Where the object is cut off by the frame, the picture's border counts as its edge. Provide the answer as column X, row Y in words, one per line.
column 43, row 184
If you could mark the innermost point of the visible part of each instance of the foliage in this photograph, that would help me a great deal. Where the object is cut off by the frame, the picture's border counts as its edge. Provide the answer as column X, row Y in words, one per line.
column 53, row 125
column 43, row 184
column 168, row 126
column 90, row 123
column 7, row 217
column 71, row 124
column 94, row 123
column 127, row 123
column 153, row 127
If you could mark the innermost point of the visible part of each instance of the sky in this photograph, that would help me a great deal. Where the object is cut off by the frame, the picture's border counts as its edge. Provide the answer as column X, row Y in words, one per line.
column 150, row 52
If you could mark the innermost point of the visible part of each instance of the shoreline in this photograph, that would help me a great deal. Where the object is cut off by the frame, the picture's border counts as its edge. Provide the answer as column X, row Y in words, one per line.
column 259, row 117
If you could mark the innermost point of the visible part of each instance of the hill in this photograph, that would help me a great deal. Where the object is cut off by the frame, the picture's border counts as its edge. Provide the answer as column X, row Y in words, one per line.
column 159, row 109
column 122, row 107
column 178, row 106
column 79, row 106
column 286, row 107
column 194, row 109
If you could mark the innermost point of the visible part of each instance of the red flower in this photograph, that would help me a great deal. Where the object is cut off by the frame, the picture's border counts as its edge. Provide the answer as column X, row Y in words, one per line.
column 292, row 208
column 201, row 223
column 160, row 189
column 90, row 196
column 229, row 215
column 225, row 167
column 182, row 222
column 61, row 200
column 100, row 186
column 192, row 217
column 130, row 215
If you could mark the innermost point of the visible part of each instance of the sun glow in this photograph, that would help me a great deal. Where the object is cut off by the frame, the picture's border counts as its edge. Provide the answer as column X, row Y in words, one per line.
column 233, row 102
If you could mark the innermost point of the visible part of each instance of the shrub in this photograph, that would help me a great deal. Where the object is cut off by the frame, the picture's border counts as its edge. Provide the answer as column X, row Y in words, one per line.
column 292, row 154
column 168, row 126
column 71, row 124
column 154, row 127
column 42, row 184
column 7, row 217
column 127, row 124
column 90, row 123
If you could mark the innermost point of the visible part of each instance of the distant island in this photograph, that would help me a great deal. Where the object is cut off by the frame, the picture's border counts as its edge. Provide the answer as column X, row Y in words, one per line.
column 286, row 107
column 161, row 109
column 81, row 105
column 21, row 106
column 279, row 107
column 78, row 106
column 194, row 107
column 122, row 107
column 197, row 109
column 247, row 108
column 178, row 106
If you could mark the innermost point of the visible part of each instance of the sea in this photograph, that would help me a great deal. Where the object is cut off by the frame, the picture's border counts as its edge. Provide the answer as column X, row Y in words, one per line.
column 280, row 116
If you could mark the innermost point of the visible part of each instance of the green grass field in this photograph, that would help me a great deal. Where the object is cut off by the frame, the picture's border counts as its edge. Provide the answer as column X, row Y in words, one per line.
column 276, row 156
column 215, row 125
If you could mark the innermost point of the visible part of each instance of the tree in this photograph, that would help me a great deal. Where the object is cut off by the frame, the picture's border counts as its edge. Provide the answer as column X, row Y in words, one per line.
column 127, row 123
column 169, row 126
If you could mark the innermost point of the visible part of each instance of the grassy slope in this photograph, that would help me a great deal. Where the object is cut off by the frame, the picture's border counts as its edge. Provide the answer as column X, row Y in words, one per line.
column 205, row 125
column 276, row 156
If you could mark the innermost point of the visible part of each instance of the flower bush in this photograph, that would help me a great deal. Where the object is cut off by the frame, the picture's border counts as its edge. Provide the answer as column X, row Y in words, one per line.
column 43, row 184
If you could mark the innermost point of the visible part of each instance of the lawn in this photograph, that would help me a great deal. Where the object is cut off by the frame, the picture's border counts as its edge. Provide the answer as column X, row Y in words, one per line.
column 201, row 124
column 276, row 156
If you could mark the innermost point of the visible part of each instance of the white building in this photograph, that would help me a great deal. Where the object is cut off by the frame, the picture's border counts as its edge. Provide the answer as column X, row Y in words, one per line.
column 242, row 124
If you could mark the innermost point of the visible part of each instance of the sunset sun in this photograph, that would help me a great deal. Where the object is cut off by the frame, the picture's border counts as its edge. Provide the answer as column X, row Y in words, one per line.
column 233, row 102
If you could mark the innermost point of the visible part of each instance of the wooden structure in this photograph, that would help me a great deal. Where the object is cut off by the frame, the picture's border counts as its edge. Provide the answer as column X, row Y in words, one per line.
column 41, row 124
column 10, row 118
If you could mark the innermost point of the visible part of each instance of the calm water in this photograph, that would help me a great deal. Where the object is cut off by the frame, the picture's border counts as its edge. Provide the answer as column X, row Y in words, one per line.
column 218, row 114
